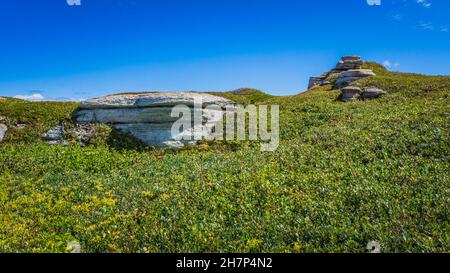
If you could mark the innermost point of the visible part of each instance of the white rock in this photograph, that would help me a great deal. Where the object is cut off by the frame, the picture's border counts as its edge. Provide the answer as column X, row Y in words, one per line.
column 153, row 100
column 147, row 116
column 3, row 129
column 157, row 135
column 127, row 115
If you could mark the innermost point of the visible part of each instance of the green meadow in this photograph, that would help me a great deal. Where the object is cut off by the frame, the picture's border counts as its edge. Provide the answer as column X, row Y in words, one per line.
column 344, row 174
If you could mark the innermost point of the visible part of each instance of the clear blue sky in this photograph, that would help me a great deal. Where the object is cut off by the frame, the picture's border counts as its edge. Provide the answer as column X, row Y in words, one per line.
column 107, row 46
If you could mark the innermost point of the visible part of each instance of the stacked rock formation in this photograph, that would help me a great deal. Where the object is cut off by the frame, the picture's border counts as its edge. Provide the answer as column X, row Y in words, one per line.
column 147, row 116
column 347, row 71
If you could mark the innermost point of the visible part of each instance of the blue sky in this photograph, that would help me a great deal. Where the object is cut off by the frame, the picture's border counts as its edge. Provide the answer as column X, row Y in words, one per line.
column 54, row 51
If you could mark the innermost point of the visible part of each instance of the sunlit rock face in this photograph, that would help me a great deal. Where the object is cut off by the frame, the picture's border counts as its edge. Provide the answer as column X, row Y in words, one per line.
column 148, row 116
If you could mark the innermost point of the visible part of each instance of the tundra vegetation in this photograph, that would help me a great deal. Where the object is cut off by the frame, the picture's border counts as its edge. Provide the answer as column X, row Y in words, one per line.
column 344, row 174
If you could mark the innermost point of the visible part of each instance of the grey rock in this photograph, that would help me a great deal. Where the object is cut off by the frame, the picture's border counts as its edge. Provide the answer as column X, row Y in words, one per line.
column 360, row 73
column 153, row 100
column 350, row 93
column 148, row 116
column 373, row 93
column 55, row 133
column 2, row 119
column 350, row 76
column 3, row 130
column 345, row 81
column 125, row 115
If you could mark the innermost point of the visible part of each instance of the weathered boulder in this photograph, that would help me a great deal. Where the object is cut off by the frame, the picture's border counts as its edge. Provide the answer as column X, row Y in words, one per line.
column 3, row 130
column 350, row 93
column 358, row 73
column 54, row 134
column 147, row 116
column 350, row 76
column 373, row 93
column 345, row 81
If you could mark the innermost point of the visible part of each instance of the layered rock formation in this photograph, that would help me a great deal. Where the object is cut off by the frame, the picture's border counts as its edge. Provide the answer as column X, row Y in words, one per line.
column 349, row 76
column 147, row 116
column 347, row 71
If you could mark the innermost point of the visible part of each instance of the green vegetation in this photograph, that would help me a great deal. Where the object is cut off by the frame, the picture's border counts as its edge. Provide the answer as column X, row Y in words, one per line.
column 244, row 96
column 37, row 117
column 344, row 174
column 379, row 69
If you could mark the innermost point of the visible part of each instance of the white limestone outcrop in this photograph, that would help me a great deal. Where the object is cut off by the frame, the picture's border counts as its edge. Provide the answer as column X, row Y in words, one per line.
column 147, row 116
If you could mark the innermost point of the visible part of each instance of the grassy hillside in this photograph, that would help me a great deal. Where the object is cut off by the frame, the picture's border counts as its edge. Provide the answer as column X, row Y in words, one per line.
column 37, row 118
column 344, row 174
column 244, row 96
